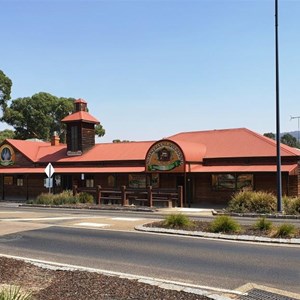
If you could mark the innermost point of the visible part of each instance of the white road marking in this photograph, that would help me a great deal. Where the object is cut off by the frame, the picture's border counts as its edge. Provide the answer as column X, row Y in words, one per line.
column 126, row 219
column 87, row 224
column 47, row 218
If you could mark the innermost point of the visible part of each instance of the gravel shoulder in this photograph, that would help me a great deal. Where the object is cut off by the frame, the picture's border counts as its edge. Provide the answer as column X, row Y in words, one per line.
column 48, row 284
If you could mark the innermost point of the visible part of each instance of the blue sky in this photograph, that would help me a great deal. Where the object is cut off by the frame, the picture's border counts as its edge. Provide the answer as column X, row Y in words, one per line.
column 150, row 69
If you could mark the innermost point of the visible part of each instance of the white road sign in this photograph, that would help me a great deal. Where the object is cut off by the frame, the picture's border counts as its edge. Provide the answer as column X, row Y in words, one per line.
column 49, row 170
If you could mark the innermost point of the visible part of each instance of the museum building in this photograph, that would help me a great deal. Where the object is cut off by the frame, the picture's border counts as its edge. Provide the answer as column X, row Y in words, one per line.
column 209, row 165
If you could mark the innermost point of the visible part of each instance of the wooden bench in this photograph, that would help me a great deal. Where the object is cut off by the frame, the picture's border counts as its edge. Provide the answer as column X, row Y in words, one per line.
column 110, row 197
column 138, row 201
column 168, row 201
column 165, row 196
column 110, row 200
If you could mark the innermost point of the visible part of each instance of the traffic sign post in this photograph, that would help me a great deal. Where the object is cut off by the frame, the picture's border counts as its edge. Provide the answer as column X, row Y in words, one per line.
column 49, row 170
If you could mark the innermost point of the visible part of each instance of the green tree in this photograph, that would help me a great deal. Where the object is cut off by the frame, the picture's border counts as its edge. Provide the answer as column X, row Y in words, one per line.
column 6, row 134
column 99, row 130
column 38, row 116
column 289, row 140
column 5, row 90
column 120, row 141
column 270, row 135
column 286, row 139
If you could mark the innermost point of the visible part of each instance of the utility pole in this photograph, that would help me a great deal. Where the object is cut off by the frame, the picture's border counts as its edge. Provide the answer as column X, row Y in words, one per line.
column 279, row 181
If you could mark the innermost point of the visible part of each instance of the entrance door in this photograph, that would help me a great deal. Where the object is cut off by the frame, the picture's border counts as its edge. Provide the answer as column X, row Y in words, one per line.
column 67, row 182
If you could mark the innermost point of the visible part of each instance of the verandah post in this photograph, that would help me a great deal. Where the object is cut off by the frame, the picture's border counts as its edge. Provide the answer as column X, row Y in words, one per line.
column 180, row 195
column 99, row 194
column 123, row 195
column 150, row 199
column 75, row 187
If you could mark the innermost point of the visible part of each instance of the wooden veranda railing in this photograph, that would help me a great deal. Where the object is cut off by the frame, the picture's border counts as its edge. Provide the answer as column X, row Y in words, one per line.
column 127, row 196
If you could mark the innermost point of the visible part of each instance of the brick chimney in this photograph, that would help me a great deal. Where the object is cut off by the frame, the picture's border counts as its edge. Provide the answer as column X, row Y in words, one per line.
column 55, row 139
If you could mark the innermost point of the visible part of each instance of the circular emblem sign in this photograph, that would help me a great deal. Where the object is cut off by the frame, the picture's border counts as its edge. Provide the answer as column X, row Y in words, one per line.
column 7, row 155
column 165, row 156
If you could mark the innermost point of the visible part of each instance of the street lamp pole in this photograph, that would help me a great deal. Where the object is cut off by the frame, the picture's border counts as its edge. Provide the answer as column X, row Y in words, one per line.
column 279, row 183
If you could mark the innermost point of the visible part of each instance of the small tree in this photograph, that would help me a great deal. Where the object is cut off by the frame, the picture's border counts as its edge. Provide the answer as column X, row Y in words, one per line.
column 5, row 90
column 99, row 130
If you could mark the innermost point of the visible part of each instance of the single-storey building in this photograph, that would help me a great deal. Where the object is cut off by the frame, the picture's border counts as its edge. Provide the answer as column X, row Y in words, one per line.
column 209, row 165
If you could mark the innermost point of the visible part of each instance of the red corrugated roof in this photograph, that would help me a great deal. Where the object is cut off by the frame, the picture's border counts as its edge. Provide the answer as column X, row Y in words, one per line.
column 193, row 152
column 239, row 142
column 67, row 170
column 44, row 152
column 30, row 148
column 195, row 145
column 100, row 152
column 241, row 168
column 80, row 116
column 11, row 170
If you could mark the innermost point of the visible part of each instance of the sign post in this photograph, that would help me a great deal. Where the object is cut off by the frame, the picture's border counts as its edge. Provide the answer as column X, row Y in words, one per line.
column 49, row 170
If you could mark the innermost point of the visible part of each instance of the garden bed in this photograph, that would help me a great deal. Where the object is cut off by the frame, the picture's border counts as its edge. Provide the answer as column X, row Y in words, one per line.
column 46, row 284
column 204, row 226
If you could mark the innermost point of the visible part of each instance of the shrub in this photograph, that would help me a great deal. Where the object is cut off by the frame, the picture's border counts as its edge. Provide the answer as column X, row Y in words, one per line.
column 285, row 230
column 177, row 221
column 291, row 205
column 44, row 198
column 66, row 197
column 252, row 202
column 263, row 224
column 85, row 198
column 224, row 224
column 14, row 293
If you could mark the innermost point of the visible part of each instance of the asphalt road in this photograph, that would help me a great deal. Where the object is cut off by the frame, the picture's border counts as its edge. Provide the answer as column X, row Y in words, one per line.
column 199, row 261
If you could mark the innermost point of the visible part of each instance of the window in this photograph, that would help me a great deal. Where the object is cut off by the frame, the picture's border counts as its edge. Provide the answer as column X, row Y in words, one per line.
column 57, row 180
column 223, row 182
column 89, row 182
column 137, row 181
column 232, row 182
column 245, row 182
column 74, row 138
column 153, row 180
column 111, row 181
column 8, row 180
column 20, row 181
